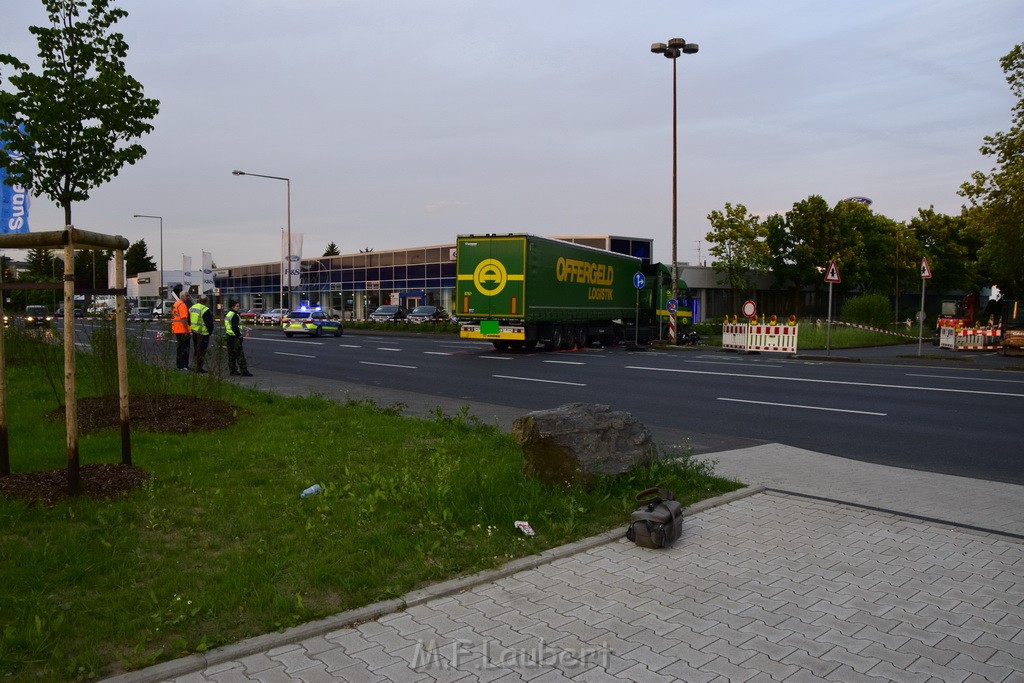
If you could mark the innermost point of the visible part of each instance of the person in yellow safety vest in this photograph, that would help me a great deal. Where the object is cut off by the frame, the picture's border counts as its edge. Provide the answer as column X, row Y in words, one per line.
column 180, row 326
column 201, row 321
column 235, row 331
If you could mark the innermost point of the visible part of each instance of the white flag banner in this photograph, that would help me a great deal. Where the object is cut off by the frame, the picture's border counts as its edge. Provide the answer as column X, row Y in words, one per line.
column 112, row 273
column 293, row 278
column 207, row 273
column 186, row 271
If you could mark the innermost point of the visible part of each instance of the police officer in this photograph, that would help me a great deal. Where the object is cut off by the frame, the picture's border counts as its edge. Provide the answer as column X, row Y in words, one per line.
column 180, row 326
column 235, row 331
column 201, row 320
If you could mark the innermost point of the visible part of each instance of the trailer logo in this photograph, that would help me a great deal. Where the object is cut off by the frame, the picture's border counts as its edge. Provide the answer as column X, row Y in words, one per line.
column 490, row 277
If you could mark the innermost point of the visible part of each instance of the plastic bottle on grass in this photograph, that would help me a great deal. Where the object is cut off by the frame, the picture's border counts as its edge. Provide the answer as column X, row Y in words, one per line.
column 311, row 491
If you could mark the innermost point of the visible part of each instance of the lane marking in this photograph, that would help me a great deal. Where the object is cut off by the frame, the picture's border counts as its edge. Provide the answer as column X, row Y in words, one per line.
column 438, row 353
column 724, row 362
column 296, row 355
column 496, row 357
column 545, row 381
column 565, row 362
column 387, row 348
column 776, row 378
column 795, row 405
column 388, row 365
column 350, row 346
column 973, row 379
column 285, row 341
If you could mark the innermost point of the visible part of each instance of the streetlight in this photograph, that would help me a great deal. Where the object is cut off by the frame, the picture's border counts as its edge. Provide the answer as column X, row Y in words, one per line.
column 675, row 47
column 288, row 270
column 161, row 219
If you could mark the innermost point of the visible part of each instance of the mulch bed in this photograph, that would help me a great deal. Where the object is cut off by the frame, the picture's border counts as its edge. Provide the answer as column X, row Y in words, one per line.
column 166, row 413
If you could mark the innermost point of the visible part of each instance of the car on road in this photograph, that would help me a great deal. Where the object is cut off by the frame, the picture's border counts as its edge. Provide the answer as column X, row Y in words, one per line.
column 251, row 315
column 141, row 314
column 78, row 312
column 271, row 317
column 315, row 323
column 428, row 314
column 37, row 316
column 389, row 314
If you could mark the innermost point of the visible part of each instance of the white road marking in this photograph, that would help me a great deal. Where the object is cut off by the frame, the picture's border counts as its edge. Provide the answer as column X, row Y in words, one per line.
column 389, row 365
column 565, row 362
column 296, row 355
column 496, row 357
column 795, row 405
column 387, row 348
column 350, row 346
column 776, row 378
column 546, row 381
column 973, row 379
column 723, row 362
column 438, row 353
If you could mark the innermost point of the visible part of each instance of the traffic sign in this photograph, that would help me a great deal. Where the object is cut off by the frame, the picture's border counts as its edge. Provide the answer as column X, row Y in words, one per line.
column 673, row 305
column 749, row 309
column 639, row 280
column 926, row 271
column 833, row 272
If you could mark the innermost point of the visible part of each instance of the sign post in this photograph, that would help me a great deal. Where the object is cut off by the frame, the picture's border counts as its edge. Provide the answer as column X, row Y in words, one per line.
column 638, row 282
column 926, row 273
column 831, row 277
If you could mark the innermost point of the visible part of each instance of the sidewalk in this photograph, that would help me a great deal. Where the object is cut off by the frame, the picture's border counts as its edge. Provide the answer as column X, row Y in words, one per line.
column 874, row 578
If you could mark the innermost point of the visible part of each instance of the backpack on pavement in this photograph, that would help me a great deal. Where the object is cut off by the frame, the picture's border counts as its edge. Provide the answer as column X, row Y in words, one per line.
column 658, row 521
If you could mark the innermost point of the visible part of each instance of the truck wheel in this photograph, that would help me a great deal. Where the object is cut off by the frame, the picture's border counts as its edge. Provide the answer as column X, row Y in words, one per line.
column 558, row 340
column 501, row 346
column 581, row 337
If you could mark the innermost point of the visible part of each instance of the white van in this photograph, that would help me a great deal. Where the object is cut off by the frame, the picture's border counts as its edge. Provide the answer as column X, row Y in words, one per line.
column 163, row 309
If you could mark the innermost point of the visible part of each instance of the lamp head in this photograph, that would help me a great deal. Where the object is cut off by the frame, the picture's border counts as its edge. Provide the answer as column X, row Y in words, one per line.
column 238, row 173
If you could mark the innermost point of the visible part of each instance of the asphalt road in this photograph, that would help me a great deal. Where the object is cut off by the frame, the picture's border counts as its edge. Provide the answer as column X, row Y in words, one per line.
column 954, row 415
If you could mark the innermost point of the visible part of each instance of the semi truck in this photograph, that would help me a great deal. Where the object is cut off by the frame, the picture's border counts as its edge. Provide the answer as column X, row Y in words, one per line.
column 521, row 291
column 1012, row 327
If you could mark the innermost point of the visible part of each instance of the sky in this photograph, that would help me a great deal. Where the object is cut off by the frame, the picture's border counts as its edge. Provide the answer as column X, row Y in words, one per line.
column 405, row 123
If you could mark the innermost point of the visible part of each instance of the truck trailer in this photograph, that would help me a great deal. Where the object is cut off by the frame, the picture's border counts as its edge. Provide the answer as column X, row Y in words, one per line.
column 521, row 291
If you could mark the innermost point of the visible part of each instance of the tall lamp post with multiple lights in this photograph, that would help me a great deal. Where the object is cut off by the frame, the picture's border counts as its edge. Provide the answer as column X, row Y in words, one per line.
column 161, row 219
column 675, row 47
column 288, row 269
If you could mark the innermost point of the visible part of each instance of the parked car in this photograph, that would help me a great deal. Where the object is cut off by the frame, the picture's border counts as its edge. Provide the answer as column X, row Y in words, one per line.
column 37, row 316
column 389, row 314
column 428, row 314
column 78, row 312
column 141, row 314
column 271, row 317
column 313, row 323
column 251, row 314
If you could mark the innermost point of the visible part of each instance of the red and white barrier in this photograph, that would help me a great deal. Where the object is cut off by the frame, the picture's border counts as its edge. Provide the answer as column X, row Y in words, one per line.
column 754, row 337
column 969, row 339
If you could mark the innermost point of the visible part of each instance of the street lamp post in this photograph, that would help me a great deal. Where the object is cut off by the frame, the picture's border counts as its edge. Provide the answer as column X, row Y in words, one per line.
column 675, row 47
column 288, row 270
column 161, row 219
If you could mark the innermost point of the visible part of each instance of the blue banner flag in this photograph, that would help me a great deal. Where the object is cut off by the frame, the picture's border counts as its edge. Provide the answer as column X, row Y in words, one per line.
column 14, row 202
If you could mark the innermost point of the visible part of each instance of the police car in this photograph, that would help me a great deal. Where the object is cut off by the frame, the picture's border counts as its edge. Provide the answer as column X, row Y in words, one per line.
column 313, row 322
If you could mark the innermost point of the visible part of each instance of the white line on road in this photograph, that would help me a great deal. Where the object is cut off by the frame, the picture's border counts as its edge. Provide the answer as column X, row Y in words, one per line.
column 297, row 355
column 776, row 378
column 565, row 362
column 546, row 381
column 283, row 341
column 973, row 379
column 496, row 357
column 794, row 405
column 388, row 365
column 387, row 348
column 724, row 362
column 350, row 346
column 438, row 353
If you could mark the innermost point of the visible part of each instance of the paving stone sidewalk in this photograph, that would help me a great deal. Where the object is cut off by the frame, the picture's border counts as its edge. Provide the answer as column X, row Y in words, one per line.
column 767, row 587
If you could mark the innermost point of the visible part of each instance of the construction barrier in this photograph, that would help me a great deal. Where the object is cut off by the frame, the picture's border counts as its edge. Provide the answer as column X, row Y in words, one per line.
column 755, row 337
column 969, row 339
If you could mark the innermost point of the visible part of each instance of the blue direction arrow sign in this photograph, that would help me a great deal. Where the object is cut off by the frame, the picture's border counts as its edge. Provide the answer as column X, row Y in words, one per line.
column 639, row 280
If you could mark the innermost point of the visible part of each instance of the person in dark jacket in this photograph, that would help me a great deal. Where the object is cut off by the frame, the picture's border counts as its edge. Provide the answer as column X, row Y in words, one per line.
column 234, row 331
column 201, row 321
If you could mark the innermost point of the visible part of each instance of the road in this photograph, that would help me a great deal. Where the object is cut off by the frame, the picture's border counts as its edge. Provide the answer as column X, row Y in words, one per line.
column 948, row 417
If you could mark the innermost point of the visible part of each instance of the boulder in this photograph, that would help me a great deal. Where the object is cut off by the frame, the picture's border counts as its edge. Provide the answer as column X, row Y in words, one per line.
column 577, row 442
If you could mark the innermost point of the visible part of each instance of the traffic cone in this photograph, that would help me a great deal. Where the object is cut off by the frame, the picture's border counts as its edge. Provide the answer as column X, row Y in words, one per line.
column 159, row 336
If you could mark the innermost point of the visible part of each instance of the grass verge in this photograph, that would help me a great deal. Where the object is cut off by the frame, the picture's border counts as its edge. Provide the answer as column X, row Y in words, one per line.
column 217, row 545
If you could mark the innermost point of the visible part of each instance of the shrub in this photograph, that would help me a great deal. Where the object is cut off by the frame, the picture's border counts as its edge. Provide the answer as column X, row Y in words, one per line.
column 867, row 309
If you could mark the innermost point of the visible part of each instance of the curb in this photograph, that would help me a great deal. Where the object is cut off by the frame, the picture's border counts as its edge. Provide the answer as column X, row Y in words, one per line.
column 198, row 662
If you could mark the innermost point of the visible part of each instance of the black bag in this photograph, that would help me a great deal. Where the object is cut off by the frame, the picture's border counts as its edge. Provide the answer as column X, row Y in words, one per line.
column 658, row 521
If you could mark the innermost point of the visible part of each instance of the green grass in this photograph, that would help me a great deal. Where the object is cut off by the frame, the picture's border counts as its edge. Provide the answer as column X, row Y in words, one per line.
column 218, row 546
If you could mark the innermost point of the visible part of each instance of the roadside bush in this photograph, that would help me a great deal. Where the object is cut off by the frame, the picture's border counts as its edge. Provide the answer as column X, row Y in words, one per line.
column 867, row 309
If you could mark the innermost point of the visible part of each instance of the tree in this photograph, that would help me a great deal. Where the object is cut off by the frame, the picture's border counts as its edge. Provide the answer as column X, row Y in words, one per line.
column 40, row 264
column 73, row 122
column 738, row 246
column 332, row 250
column 950, row 248
column 137, row 260
column 996, row 211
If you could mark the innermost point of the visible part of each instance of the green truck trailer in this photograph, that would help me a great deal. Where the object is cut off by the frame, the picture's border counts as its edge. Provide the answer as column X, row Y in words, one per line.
column 518, row 291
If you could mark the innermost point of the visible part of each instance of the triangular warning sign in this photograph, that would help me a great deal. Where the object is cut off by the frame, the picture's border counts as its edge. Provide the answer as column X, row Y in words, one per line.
column 833, row 272
column 926, row 271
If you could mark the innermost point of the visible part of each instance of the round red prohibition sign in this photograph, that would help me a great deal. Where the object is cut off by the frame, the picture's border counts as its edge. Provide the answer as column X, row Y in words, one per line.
column 749, row 309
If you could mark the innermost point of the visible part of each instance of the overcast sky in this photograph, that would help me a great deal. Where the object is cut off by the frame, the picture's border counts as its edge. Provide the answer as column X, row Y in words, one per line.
column 406, row 123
